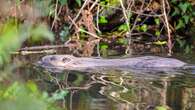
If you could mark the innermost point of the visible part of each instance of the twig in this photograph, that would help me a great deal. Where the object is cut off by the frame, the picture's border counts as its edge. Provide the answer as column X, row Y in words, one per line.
column 56, row 15
column 168, row 29
column 81, row 30
column 136, row 12
column 43, row 47
column 127, row 23
column 78, row 14
column 35, row 52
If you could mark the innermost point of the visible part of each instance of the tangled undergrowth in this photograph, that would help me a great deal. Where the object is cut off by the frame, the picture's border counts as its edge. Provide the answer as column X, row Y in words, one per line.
column 103, row 27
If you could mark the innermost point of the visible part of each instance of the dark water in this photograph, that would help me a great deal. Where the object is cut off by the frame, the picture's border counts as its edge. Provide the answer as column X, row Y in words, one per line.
column 119, row 90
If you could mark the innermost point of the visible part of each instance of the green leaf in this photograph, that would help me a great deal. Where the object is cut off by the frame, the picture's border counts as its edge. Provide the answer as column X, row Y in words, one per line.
column 103, row 20
column 144, row 27
column 157, row 33
column 122, row 41
column 184, row 6
column 174, row 1
column 129, row 15
column 63, row 2
column 104, row 46
column 186, row 19
column 160, row 108
column 188, row 49
column 160, row 42
column 180, row 24
column 12, row 90
column 138, row 28
column 78, row 2
column 181, row 42
column 104, row 49
column 32, row 86
column 103, row 3
column 193, row 13
column 123, row 27
column 175, row 12
column 59, row 95
column 157, row 21
column 41, row 31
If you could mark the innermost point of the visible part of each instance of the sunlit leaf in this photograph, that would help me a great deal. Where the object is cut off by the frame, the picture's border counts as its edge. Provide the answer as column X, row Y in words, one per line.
column 157, row 33
column 138, row 28
column 103, row 20
column 12, row 91
column 122, row 41
column 123, row 27
column 160, row 108
column 104, row 46
column 139, row 19
column 10, row 40
column 144, row 27
column 32, row 86
column 160, row 42
column 157, row 21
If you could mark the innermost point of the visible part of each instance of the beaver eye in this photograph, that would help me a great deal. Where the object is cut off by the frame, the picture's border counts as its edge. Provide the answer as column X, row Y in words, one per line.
column 66, row 59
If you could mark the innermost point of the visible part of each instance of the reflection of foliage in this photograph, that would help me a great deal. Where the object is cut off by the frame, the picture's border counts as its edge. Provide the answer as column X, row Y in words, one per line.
column 25, row 97
column 130, row 95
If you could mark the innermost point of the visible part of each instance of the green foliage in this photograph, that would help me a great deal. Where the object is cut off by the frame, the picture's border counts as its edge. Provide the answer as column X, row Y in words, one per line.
column 144, row 28
column 157, row 33
column 160, row 108
column 9, row 40
column 63, row 2
column 78, row 2
column 102, row 20
column 46, row 7
column 160, row 42
column 183, row 44
column 58, row 95
column 157, row 21
column 25, row 97
column 64, row 33
column 13, row 34
column 104, row 49
column 184, row 13
column 122, row 41
column 40, row 31
column 110, row 2
column 123, row 27
column 79, row 79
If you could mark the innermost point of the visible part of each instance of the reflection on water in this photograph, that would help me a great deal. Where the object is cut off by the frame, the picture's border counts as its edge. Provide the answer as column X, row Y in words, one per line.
column 119, row 90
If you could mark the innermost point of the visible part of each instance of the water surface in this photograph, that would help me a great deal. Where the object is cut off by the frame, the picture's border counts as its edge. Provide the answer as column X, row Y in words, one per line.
column 118, row 90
